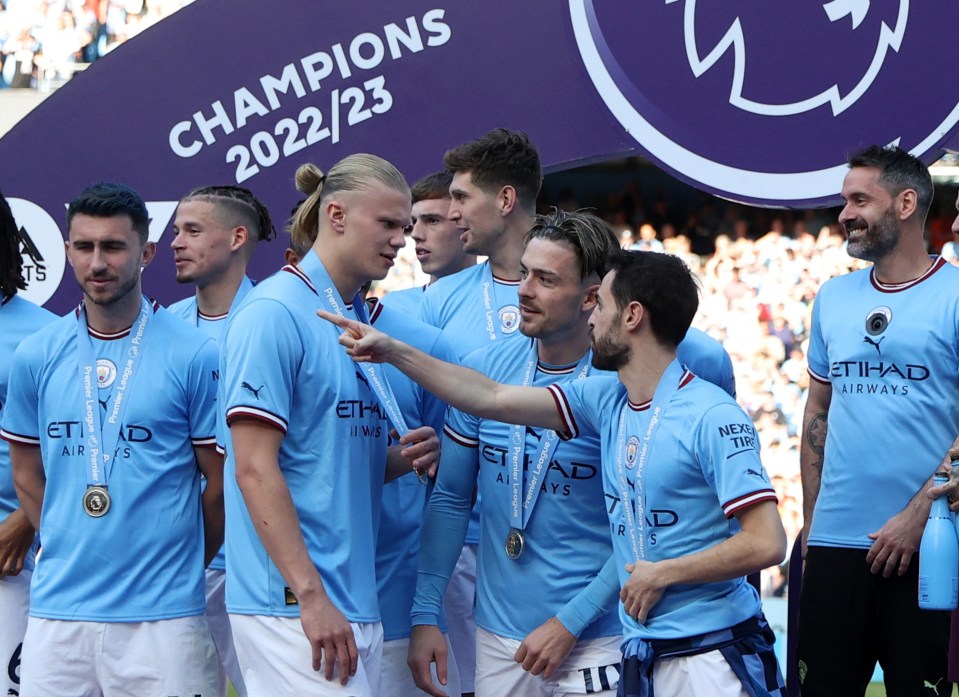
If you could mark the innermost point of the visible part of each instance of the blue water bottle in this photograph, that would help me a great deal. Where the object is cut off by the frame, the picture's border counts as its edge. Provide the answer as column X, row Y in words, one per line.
column 939, row 557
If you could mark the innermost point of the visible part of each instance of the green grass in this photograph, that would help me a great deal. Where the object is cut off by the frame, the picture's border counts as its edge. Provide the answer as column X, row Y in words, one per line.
column 232, row 693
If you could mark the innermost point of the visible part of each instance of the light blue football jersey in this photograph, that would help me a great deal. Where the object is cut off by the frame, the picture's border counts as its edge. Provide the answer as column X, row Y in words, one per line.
column 891, row 354
column 19, row 318
column 707, row 359
column 566, row 536
column 702, row 468
column 212, row 327
column 404, row 499
column 143, row 560
column 406, row 302
column 281, row 364
column 473, row 308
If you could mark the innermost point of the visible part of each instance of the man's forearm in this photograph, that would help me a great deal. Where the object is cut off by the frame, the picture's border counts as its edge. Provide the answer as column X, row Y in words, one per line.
column 270, row 504
column 460, row 387
column 213, row 521
column 812, row 447
column 29, row 480
column 472, row 392
column 810, row 462
column 760, row 543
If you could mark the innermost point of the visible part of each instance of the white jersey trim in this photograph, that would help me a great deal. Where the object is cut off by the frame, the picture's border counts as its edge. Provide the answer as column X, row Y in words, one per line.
column 570, row 429
column 258, row 414
column 459, row 438
column 741, row 503
column 18, row 438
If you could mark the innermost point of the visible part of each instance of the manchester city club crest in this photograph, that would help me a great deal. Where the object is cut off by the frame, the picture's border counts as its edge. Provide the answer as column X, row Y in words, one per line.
column 788, row 89
column 632, row 449
column 509, row 319
column 106, row 373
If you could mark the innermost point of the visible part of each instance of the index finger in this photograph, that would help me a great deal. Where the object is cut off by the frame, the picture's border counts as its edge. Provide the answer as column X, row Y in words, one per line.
column 423, row 678
column 417, row 435
column 338, row 320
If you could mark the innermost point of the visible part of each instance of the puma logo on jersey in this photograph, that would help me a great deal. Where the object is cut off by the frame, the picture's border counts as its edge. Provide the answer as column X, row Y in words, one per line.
column 756, row 473
column 931, row 686
column 869, row 340
column 255, row 391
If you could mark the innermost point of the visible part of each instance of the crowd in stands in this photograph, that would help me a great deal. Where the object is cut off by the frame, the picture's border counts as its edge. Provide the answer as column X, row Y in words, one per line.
column 757, row 296
column 44, row 42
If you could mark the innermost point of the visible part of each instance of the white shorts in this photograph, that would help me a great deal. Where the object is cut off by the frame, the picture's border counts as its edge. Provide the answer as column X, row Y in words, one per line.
column 276, row 659
column 592, row 668
column 14, row 604
column 702, row 674
column 458, row 605
column 396, row 680
column 119, row 659
column 219, row 623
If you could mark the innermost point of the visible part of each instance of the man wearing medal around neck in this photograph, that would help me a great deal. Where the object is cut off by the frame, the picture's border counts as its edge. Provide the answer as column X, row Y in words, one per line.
column 307, row 450
column 111, row 421
column 541, row 629
column 683, row 458
column 496, row 180
column 19, row 318
column 215, row 232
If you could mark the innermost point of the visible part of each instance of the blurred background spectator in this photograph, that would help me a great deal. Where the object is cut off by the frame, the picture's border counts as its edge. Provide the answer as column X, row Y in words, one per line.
column 43, row 43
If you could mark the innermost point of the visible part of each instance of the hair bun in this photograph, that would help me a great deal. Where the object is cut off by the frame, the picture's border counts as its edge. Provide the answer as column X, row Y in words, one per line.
column 309, row 178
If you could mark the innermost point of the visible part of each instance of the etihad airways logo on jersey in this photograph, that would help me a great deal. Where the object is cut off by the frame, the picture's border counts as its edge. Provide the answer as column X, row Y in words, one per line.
column 73, row 431
column 912, row 372
column 569, row 470
column 656, row 518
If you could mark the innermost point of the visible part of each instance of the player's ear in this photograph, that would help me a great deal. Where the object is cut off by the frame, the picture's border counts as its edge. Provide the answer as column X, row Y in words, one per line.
column 589, row 301
column 240, row 235
column 506, row 200
column 907, row 203
column 633, row 315
column 149, row 251
column 335, row 215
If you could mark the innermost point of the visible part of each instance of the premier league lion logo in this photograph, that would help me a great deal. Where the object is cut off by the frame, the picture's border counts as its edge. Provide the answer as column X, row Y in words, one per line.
column 770, row 59
column 762, row 102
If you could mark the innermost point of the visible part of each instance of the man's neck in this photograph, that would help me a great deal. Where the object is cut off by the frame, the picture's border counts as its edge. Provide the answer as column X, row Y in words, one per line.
column 215, row 298
column 347, row 283
column 467, row 262
column 505, row 259
column 642, row 374
column 563, row 348
column 906, row 263
column 113, row 318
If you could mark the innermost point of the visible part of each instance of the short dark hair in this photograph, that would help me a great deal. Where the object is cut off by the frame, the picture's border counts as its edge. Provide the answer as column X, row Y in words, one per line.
column 588, row 236
column 11, row 261
column 500, row 158
column 898, row 171
column 432, row 186
column 107, row 200
column 245, row 208
column 664, row 286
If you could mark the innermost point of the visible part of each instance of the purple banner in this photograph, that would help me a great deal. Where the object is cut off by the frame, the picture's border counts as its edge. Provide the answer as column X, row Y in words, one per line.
column 753, row 104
